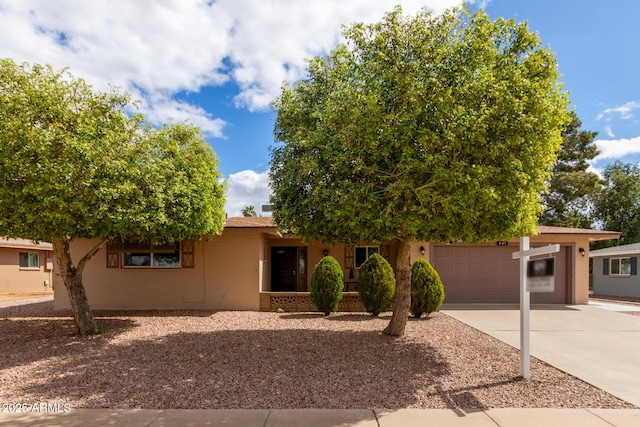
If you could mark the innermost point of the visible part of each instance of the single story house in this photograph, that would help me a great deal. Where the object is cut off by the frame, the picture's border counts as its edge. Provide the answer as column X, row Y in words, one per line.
column 253, row 265
column 25, row 266
column 615, row 271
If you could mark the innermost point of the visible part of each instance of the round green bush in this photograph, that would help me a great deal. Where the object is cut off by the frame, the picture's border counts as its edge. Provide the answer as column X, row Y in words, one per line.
column 427, row 290
column 376, row 284
column 326, row 285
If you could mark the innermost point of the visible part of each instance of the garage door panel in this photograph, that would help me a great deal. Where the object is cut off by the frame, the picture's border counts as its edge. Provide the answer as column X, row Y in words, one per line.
column 474, row 296
column 477, row 273
column 508, row 296
column 454, row 296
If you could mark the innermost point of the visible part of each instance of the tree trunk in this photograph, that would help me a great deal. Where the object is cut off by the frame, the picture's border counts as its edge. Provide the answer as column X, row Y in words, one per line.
column 402, row 303
column 72, row 277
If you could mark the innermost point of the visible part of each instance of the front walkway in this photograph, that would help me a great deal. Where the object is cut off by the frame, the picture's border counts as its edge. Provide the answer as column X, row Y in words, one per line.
column 595, row 344
column 328, row 417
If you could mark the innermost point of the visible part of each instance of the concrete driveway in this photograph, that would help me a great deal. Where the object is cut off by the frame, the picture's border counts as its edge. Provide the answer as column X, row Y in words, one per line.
column 596, row 344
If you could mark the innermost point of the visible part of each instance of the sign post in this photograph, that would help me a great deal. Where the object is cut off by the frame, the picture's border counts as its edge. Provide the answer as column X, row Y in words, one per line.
column 524, row 254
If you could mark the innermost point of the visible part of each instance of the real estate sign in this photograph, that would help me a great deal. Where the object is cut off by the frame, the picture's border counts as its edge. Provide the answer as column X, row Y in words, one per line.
column 540, row 275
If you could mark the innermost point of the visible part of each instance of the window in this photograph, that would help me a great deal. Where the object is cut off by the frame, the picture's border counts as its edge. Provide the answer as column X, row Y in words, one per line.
column 29, row 260
column 620, row 266
column 140, row 255
column 362, row 253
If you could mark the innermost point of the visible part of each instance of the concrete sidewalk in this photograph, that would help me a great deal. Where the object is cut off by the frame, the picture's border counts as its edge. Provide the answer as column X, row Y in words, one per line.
column 600, row 346
column 326, row 418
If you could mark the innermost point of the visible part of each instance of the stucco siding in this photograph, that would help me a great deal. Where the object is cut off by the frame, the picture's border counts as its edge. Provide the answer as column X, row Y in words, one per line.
column 225, row 276
column 232, row 270
column 14, row 279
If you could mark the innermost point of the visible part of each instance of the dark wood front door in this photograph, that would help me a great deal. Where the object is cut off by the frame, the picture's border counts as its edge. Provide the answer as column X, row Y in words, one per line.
column 289, row 269
column 284, row 276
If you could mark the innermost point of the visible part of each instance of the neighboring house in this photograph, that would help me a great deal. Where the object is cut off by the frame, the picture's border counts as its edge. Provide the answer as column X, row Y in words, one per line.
column 615, row 271
column 254, row 266
column 25, row 266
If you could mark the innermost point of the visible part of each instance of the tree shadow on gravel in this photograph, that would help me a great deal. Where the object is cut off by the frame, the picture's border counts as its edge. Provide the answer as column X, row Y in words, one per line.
column 340, row 316
column 303, row 316
column 36, row 309
column 244, row 369
column 31, row 340
column 354, row 317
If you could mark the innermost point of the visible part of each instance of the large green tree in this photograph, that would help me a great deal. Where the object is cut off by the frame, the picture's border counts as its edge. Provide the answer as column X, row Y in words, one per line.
column 424, row 128
column 572, row 187
column 74, row 164
column 617, row 204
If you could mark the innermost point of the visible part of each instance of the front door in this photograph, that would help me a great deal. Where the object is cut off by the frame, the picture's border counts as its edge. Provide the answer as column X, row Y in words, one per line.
column 288, row 269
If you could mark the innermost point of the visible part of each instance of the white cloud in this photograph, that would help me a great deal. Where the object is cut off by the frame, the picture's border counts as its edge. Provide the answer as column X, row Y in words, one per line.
column 609, row 132
column 617, row 148
column 624, row 111
column 247, row 188
column 162, row 109
column 160, row 48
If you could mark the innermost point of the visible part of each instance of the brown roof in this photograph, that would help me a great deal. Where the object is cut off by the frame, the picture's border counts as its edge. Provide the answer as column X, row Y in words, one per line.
column 6, row 242
column 249, row 222
column 267, row 222
column 594, row 235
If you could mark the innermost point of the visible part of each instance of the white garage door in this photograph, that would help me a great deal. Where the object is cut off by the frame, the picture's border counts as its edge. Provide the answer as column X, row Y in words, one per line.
column 488, row 274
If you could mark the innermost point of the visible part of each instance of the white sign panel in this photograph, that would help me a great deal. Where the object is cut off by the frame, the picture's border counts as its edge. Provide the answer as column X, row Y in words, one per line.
column 540, row 275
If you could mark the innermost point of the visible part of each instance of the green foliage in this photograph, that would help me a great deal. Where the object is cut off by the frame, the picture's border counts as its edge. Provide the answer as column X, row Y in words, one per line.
column 571, row 187
column 427, row 290
column 426, row 128
column 75, row 164
column 249, row 210
column 617, row 204
column 326, row 285
column 376, row 284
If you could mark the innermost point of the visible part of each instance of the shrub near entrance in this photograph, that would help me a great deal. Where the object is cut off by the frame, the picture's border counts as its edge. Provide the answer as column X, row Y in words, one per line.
column 427, row 290
column 326, row 285
column 376, row 284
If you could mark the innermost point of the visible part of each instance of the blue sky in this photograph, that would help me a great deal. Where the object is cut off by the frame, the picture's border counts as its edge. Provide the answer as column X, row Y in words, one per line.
column 219, row 64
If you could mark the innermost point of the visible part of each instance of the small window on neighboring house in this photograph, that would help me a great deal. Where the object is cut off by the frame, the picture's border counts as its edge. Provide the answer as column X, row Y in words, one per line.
column 362, row 253
column 29, row 260
column 150, row 256
column 620, row 266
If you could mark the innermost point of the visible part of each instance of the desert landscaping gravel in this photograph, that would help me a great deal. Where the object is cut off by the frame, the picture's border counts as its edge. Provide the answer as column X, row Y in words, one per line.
column 208, row 359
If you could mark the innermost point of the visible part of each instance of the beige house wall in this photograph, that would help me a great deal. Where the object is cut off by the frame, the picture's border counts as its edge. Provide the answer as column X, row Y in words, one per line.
column 226, row 276
column 232, row 269
column 15, row 280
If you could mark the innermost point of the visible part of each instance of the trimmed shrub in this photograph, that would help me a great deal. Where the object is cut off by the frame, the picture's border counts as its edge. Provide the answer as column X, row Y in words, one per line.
column 376, row 284
column 427, row 290
column 326, row 285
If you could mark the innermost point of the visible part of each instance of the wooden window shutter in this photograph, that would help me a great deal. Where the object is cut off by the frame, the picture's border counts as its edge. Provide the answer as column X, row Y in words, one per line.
column 348, row 256
column 114, row 250
column 605, row 266
column 348, row 260
column 188, row 259
column 634, row 266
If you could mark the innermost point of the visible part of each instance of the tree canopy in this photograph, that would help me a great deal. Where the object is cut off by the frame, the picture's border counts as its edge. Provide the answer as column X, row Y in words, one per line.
column 429, row 128
column 617, row 204
column 572, row 188
column 75, row 164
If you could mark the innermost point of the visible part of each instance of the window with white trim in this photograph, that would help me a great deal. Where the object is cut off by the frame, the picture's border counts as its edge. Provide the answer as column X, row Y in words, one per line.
column 362, row 253
column 140, row 255
column 620, row 266
column 29, row 260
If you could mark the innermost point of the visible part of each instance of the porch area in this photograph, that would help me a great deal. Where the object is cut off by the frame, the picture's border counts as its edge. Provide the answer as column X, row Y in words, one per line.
column 301, row 302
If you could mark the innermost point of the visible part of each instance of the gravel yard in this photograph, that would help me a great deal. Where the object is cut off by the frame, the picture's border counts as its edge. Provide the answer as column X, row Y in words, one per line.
column 206, row 359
